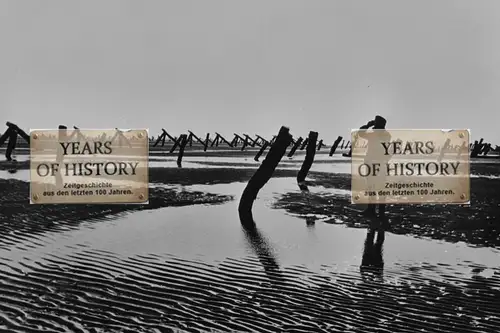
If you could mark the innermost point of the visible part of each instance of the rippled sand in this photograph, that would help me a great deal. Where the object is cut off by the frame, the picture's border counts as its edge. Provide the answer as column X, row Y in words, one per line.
column 198, row 269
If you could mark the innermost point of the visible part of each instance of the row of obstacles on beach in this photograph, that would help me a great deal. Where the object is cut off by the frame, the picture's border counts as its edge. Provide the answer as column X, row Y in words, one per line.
column 477, row 149
column 13, row 131
column 244, row 140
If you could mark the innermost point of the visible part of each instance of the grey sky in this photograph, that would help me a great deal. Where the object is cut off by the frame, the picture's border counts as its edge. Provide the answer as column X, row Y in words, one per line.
column 251, row 66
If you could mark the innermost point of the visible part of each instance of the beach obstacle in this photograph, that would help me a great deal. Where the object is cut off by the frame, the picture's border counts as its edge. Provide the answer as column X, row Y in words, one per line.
column 265, row 171
column 253, row 142
column 486, row 149
column 309, row 159
column 183, row 139
column 261, row 151
column 335, row 145
column 320, row 144
column 295, row 146
column 304, row 143
column 11, row 134
column 236, row 140
column 177, row 143
column 204, row 143
column 476, row 149
column 218, row 139
column 162, row 137
column 260, row 140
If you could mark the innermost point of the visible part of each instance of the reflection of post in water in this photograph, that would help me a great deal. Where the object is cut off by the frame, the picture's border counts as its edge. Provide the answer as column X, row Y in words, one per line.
column 261, row 247
column 372, row 260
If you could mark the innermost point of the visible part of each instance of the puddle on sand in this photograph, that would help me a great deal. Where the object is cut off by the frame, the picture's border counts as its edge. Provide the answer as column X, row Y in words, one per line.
column 187, row 267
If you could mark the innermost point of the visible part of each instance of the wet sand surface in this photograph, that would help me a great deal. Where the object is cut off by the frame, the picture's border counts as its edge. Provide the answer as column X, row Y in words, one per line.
column 185, row 263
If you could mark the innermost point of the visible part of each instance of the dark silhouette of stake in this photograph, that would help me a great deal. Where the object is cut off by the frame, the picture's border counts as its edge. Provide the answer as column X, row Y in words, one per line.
column 235, row 140
column 216, row 141
column 207, row 141
column 224, row 140
column 320, row 144
column 261, row 151
column 486, row 149
column 295, row 146
column 265, row 171
column 253, row 142
column 477, row 148
column 183, row 141
column 342, row 145
column 308, row 161
column 238, row 139
column 176, row 144
column 192, row 135
column 11, row 145
column 162, row 138
column 262, row 140
column 11, row 134
column 335, row 145
column 245, row 143
column 304, row 143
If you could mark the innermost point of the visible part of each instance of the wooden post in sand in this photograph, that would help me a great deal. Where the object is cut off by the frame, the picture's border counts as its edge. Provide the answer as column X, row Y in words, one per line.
column 304, row 144
column 161, row 137
column 295, row 146
column 335, row 145
column 478, row 146
column 183, row 141
column 308, row 161
column 207, row 141
column 320, row 144
column 265, row 171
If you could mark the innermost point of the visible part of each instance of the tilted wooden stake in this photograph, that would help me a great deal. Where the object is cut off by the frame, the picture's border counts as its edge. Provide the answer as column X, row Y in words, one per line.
column 320, row 144
column 295, row 146
column 308, row 161
column 261, row 151
column 335, row 145
column 183, row 141
column 265, row 171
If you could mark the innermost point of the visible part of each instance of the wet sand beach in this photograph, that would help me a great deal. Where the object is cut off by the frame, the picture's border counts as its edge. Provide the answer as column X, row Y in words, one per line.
column 185, row 263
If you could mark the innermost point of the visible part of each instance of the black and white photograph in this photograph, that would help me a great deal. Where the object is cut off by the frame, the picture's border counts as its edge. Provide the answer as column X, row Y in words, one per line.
column 240, row 124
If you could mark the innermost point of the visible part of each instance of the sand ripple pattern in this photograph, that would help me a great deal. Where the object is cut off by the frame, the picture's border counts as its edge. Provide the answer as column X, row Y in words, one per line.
column 96, row 291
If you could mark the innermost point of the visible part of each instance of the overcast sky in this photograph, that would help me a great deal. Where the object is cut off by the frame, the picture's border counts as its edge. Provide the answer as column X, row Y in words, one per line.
column 251, row 66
